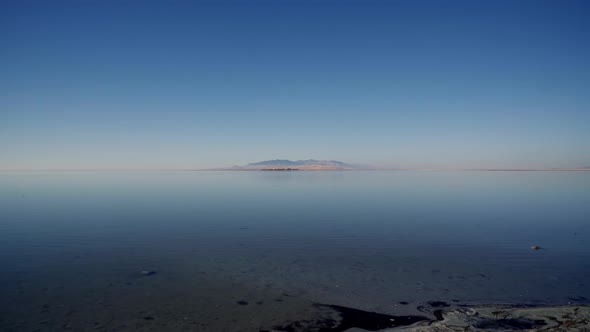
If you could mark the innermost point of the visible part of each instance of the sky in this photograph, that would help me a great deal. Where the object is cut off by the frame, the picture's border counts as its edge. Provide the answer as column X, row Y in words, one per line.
column 198, row 84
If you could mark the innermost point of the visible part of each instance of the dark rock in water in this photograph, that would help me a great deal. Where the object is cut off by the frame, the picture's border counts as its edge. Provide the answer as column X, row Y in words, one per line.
column 510, row 324
column 148, row 318
column 438, row 314
column 403, row 302
column 242, row 302
column 351, row 318
column 147, row 273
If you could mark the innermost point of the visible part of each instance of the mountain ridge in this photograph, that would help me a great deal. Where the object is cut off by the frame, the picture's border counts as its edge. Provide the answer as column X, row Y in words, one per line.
column 303, row 165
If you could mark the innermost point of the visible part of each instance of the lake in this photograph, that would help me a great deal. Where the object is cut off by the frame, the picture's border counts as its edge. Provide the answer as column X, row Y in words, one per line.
column 249, row 251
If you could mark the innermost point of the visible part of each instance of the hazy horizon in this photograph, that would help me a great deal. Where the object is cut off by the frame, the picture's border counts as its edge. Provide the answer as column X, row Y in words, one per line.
column 362, row 167
column 197, row 85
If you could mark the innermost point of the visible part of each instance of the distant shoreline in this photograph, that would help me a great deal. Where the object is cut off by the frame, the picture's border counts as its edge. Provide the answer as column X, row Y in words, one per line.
column 405, row 170
column 305, row 170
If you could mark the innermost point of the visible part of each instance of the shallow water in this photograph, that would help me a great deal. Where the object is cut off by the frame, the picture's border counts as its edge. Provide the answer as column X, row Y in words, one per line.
column 245, row 251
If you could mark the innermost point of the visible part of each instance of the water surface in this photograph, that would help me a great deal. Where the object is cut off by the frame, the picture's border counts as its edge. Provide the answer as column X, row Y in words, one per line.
column 244, row 251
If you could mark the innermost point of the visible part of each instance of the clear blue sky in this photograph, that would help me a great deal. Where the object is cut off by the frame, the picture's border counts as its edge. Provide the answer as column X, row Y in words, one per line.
column 179, row 84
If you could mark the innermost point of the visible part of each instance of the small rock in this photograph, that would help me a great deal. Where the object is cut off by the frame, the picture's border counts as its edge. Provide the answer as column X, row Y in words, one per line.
column 468, row 311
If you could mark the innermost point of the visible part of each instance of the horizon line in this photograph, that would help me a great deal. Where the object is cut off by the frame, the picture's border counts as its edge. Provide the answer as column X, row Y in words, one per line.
column 221, row 169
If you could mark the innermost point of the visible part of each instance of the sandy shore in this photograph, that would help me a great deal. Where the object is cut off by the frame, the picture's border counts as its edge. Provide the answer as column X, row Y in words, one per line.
column 442, row 317
column 505, row 318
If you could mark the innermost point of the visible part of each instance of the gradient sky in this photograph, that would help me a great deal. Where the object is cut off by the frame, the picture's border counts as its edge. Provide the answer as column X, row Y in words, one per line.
column 179, row 84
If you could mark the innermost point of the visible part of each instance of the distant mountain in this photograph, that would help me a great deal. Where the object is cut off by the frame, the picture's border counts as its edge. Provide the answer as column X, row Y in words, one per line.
column 302, row 165
column 275, row 162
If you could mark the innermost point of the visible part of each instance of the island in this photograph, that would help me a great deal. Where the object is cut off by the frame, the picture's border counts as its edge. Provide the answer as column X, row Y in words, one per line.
column 298, row 165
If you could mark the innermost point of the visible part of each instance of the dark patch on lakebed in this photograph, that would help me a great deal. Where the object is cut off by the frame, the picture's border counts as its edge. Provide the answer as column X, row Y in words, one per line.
column 438, row 304
column 349, row 318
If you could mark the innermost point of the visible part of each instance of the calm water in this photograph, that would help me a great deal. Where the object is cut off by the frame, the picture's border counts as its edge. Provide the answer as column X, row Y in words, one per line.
column 244, row 251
